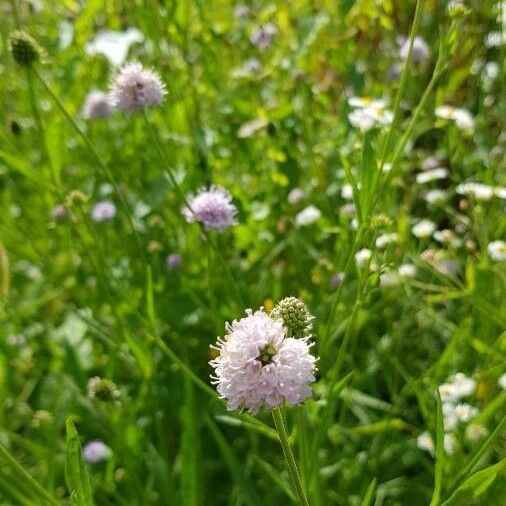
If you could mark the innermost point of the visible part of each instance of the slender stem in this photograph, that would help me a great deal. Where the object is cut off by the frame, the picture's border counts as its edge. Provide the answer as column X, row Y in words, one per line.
column 97, row 156
column 290, row 460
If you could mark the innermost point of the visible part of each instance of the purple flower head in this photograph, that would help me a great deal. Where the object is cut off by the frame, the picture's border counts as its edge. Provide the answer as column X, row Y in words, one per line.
column 336, row 279
column 59, row 212
column 96, row 451
column 420, row 50
column 103, row 211
column 212, row 207
column 173, row 261
column 263, row 36
column 97, row 105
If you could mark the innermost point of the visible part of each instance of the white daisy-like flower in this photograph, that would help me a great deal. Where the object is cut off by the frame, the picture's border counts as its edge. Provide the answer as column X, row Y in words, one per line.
column 464, row 385
column 97, row 105
column 407, row 270
column 450, row 417
column 367, row 102
column 361, row 119
column 347, row 191
column 502, row 381
column 449, row 443
column 425, row 442
column 307, row 216
column 296, row 195
column 259, row 366
column 435, row 196
column 431, row 175
column 135, row 87
column 497, row 250
column 448, row 392
column 424, row 228
column 500, row 192
column 363, row 256
column 465, row 412
column 478, row 191
column 475, row 432
column 462, row 117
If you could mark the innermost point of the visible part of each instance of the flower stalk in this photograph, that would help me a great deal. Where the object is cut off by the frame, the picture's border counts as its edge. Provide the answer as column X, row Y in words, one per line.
column 289, row 458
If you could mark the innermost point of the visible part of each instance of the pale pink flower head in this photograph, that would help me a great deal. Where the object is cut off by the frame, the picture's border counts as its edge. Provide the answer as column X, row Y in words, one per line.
column 103, row 211
column 97, row 105
column 213, row 207
column 259, row 366
column 135, row 87
column 96, row 451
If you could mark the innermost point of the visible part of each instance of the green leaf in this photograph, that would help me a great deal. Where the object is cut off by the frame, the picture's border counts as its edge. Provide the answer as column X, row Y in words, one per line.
column 476, row 485
column 370, row 493
column 76, row 474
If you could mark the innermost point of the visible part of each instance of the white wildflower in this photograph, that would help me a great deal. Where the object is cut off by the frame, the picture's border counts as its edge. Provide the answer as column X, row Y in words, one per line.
column 431, row 175
column 424, row 228
column 497, row 250
column 307, row 216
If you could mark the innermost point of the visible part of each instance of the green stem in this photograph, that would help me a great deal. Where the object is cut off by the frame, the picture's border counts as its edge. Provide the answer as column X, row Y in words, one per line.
column 289, row 458
column 96, row 155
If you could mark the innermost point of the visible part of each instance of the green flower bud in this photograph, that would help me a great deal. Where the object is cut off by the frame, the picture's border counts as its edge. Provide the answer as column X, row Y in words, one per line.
column 295, row 316
column 24, row 48
column 102, row 389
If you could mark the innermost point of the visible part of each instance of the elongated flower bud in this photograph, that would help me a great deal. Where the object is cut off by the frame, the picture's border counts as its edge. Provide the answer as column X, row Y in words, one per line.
column 295, row 316
column 24, row 48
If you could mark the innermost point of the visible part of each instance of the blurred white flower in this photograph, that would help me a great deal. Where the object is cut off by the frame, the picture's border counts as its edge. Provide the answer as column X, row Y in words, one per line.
column 464, row 385
column 500, row 192
column 307, row 216
column 462, row 117
column 263, row 36
column 296, row 195
column 425, row 442
column 96, row 451
column 407, row 270
column 435, row 196
column 384, row 240
column 477, row 190
column 475, row 432
column 389, row 278
column 465, row 412
column 447, row 236
column 367, row 102
column 361, row 119
column 494, row 39
column 502, row 381
column 450, row 418
column 431, row 175
column 449, row 443
column 114, row 45
column 497, row 250
column 363, row 256
column 424, row 228
column 250, row 127
column 347, row 191
column 431, row 162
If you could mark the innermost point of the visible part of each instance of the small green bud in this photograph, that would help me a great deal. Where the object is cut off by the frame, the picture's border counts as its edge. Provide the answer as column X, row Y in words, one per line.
column 24, row 48
column 295, row 316
column 102, row 389
column 457, row 9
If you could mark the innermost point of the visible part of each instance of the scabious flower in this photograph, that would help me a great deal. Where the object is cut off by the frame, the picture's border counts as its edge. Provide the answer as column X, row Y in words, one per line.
column 97, row 105
column 135, row 87
column 96, row 451
column 173, row 261
column 419, row 52
column 263, row 36
column 24, row 48
column 102, row 389
column 424, row 228
column 259, row 366
column 497, row 250
column 295, row 316
column 103, row 211
column 307, row 216
column 212, row 207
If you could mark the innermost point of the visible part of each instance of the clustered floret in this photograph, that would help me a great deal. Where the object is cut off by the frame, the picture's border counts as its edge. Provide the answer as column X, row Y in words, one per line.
column 258, row 365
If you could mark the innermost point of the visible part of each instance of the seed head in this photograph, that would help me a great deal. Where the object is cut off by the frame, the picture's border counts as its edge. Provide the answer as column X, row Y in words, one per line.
column 295, row 317
column 102, row 389
column 24, row 48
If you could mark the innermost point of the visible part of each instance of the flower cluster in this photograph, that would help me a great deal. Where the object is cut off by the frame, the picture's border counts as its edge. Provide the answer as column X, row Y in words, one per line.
column 212, row 207
column 258, row 365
